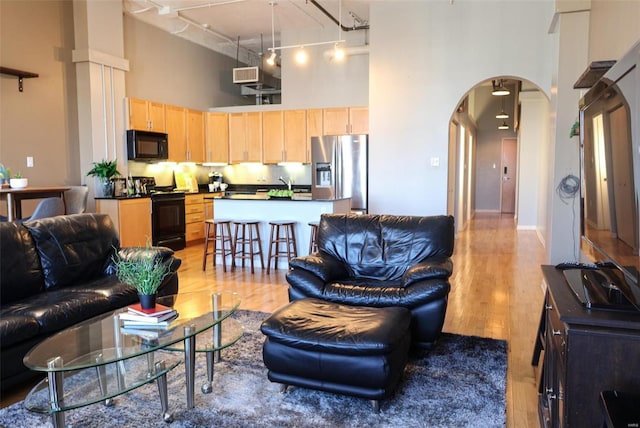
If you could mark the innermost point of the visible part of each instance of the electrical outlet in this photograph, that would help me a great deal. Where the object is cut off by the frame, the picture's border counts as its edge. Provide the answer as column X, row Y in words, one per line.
column 435, row 161
column 29, row 161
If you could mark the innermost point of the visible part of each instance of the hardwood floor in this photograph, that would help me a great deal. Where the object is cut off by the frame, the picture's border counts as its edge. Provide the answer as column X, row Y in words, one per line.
column 496, row 292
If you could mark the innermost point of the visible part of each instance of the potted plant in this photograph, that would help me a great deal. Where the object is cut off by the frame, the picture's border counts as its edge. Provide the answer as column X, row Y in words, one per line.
column 18, row 181
column 144, row 272
column 104, row 171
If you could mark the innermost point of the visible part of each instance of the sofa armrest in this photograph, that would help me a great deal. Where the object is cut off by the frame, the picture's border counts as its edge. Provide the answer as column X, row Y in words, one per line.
column 428, row 269
column 322, row 265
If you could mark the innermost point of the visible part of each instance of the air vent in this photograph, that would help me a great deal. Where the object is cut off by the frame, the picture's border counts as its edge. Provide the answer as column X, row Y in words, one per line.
column 246, row 75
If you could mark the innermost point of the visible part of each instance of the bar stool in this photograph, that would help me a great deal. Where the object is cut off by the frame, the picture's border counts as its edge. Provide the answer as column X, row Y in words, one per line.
column 246, row 242
column 289, row 239
column 313, row 244
column 222, row 241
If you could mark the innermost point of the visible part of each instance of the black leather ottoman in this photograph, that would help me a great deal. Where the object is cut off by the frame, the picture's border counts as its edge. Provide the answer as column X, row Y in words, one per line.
column 352, row 350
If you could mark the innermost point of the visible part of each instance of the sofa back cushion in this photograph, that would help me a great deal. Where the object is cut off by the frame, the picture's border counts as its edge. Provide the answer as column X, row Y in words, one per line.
column 20, row 272
column 73, row 248
column 384, row 246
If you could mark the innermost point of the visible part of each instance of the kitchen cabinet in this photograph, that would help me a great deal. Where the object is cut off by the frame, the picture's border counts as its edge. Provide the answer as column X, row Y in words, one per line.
column 195, row 136
column 131, row 217
column 284, row 136
column 346, row 120
column 176, row 119
column 217, row 138
column 194, row 217
column 245, row 137
column 586, row 351
column 146, row 115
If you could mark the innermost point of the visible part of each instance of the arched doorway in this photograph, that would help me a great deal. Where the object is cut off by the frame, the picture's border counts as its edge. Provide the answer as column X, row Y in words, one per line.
column 483, row 130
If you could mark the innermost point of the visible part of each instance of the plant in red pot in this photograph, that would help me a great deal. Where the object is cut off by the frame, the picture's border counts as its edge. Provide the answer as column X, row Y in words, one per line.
column 144, row 272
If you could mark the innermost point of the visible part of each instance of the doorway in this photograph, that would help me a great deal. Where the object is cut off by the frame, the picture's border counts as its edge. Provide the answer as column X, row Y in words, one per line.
column 509, row 174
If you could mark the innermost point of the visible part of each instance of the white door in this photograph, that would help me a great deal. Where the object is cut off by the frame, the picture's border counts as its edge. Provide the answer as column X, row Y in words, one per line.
column 509, row 174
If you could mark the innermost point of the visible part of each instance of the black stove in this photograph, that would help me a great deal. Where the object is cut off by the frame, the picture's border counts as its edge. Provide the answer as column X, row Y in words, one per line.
column 168, row 225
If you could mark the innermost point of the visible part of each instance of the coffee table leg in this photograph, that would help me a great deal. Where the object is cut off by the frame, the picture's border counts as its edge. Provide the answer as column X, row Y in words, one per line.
column 190, row 362
column 56, row 391
column 162, row 390
column 102, row 379
column 210, row 353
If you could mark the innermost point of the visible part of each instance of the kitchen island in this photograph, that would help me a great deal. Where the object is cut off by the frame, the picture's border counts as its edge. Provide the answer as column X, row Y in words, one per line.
column 301, row 209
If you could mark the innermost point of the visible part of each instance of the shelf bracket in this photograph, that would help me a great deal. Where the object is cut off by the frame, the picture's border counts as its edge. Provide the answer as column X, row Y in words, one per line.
column 20, row 74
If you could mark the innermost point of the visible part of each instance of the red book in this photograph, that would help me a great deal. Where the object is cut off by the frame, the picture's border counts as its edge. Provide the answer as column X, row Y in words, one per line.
column 159, row 310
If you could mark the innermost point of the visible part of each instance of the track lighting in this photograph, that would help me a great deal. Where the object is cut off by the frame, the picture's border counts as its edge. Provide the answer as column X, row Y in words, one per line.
column 301, row 56
column 499, row 88
column 338, row 53
column 272, row 59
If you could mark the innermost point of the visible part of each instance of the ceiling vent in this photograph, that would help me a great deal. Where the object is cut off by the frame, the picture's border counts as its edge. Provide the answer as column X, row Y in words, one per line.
column 246, row 75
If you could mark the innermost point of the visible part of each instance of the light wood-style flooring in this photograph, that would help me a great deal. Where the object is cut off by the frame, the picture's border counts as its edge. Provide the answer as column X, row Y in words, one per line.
column 496, row 292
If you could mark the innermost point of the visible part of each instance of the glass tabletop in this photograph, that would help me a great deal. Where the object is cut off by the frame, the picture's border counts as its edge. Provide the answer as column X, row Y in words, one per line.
column 102, row 340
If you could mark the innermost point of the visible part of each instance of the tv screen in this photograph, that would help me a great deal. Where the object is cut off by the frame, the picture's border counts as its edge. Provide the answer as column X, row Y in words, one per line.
column 610, row 170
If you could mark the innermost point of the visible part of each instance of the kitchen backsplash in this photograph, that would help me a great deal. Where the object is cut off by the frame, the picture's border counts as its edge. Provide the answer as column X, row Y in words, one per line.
column 233, row 174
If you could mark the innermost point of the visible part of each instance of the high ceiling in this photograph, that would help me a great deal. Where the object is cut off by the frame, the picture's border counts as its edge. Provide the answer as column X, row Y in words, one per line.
column 218, row 24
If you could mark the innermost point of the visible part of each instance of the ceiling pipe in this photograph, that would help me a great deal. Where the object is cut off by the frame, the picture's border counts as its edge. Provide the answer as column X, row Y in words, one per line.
column 326, row 12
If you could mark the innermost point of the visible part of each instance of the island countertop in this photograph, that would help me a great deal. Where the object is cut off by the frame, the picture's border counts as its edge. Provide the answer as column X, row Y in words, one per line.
column 259, row 207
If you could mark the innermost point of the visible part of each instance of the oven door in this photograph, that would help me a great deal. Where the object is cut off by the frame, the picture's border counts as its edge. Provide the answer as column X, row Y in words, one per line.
column 168, row 222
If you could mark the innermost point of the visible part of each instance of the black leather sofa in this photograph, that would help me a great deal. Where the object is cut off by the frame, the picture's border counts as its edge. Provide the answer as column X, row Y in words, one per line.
column 56, row 272
column 381, row 261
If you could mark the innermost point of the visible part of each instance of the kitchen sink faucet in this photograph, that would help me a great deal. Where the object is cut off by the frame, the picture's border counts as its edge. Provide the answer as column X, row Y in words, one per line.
column 287, row 181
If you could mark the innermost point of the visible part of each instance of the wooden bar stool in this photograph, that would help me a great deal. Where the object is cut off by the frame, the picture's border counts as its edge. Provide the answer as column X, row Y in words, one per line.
column 222, row 241
column 313, row 244
column 288, row 239
column 246, row 242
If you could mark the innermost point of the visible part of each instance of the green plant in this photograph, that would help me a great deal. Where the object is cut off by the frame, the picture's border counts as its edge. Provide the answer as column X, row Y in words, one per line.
column 104, row 169
column 143, row 271
column 18, row 174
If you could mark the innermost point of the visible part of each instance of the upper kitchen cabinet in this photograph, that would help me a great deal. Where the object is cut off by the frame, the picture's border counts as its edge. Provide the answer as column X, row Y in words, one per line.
column 146, row 115
column 273, row 137
column 296, row 143
column 346, row 120
column 217, row 141
column 177, row 130
column 195, row 136
column 245, row 137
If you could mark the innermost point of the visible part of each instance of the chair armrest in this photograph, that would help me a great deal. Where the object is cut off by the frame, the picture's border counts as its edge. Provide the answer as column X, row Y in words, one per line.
column 322, row 265
column 428, row 269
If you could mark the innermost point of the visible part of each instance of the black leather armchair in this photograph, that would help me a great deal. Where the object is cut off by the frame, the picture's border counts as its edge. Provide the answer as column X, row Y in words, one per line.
column 381, row 261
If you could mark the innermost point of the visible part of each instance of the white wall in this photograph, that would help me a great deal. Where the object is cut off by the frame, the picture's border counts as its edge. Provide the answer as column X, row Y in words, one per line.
column 533, row 137
column 424, row 57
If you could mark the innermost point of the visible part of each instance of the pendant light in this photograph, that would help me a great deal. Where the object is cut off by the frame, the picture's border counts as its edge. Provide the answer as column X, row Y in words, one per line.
column 504, row 125
column 502, row 114
column 499, row 88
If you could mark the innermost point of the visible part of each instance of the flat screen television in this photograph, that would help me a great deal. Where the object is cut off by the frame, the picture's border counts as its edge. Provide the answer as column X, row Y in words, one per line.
column 610, row 170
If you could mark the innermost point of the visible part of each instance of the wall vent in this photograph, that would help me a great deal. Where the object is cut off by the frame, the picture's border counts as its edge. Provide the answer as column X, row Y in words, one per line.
column 246, row 75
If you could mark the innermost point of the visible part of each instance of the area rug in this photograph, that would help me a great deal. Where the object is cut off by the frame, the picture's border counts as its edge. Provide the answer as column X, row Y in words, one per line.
column 461, row 381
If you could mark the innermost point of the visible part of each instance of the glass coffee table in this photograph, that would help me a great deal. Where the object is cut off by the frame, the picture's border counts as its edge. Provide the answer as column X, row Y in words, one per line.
column 97, row 359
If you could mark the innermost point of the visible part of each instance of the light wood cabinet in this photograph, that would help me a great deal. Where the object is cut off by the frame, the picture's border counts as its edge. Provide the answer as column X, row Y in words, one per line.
column 273, row 137
column 346, row 120
column 195, row 136
column 296, row 143
column 131, row 217
column 146, row 115
column 217, row 138
column 315, row 127
column 194, row 217
column 176, row 120
column 245, row 137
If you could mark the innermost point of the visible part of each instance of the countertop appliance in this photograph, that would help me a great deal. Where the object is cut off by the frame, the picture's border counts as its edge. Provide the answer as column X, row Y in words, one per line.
column 147, row 145
column 340, row 169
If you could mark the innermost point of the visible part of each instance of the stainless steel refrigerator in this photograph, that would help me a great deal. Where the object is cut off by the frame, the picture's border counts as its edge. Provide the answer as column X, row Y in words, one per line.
column 340, row 169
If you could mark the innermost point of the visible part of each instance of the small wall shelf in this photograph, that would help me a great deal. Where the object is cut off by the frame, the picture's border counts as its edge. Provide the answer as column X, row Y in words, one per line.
column 20, row 74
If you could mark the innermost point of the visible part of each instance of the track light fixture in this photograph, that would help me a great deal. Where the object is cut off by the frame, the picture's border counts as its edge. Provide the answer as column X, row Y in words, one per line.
column 499, row 88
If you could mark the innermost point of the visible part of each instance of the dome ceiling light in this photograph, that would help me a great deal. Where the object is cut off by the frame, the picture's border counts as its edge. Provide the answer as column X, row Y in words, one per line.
column 499, row 89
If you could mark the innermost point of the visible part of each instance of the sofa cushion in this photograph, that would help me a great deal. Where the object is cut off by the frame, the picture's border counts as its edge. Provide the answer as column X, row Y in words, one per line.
column 16, row 328
column 58, row 309
column 20, row 272
column 118, row 293
column 74, row 248
column 384, row 246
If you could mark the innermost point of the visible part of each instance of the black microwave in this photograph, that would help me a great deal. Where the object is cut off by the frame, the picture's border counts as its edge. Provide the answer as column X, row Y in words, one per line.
column 147, row 145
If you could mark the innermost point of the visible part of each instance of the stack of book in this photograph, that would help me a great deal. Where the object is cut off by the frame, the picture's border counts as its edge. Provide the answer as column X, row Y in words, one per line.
column 147, row 323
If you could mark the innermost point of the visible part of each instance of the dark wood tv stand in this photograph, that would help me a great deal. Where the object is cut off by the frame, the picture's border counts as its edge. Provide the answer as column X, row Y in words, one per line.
column 585, row 352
